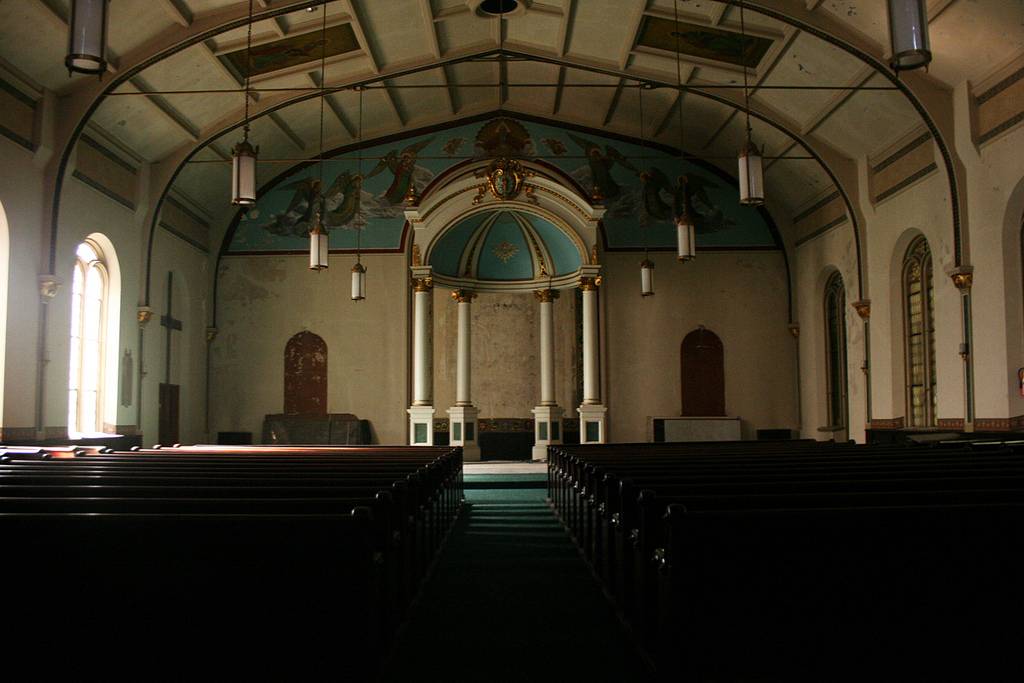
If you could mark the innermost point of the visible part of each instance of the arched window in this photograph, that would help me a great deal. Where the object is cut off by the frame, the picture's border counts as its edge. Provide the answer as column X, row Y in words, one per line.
column 919, row 334
column 89, row 287
column 835, row 350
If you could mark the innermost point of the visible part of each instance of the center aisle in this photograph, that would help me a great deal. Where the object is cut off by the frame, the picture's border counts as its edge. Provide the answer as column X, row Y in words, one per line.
column 510, row 599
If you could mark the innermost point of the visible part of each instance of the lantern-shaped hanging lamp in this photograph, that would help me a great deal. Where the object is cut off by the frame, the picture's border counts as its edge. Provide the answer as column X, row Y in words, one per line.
column 646, row 278
column 87, row 37
column 751, row 174
column 318, row 245
column 686, row 236
column 908, row 34
column 358, row 282
column 243, row 173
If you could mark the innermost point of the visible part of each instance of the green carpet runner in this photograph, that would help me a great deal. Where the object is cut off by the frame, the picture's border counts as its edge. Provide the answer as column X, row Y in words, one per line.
column 510, row 599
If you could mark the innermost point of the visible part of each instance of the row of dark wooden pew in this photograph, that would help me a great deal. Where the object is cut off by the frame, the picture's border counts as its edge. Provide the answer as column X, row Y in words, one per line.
column 806, row 561
column 217, row 563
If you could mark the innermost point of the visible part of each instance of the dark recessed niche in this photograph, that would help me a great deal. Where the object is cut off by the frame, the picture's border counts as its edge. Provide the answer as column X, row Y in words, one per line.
column 496, row 8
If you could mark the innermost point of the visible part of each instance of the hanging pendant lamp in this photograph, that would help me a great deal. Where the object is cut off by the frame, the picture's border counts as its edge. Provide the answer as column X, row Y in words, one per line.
column 87, row 37
column 319, row 239
column 358, row 282
column 751, row 168
column 751, row 174
column 908, row 34
column 646, row 277
column 686, row 237
column 318, row 245
column 243, row 157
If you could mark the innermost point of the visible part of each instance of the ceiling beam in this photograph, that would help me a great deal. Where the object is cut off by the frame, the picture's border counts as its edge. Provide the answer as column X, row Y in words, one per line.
column 169, row 113
column 372, row 52
column 396, row 107
column 569, row 18
column 442, row 79
column 614, row 104
column 56, row 11
column 631, row 30
column 837, row 101
column 177, row 11
column 276, row 119
column 430, row 28
column 559, row 91
column 343, row 119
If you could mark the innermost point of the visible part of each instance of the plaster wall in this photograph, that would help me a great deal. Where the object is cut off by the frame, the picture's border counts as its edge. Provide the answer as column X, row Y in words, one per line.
column 813, row 263
column 924, row 209
column 263, row 301
column 505, row 341
column 21, row 193
column 741, row 296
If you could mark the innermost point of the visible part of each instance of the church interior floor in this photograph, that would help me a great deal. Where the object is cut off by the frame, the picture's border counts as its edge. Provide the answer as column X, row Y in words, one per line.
column 510, row 598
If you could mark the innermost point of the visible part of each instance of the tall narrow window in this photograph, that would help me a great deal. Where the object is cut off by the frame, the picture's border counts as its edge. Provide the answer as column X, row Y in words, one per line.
column 919, row 330
column 835, row 350
column 88, row 314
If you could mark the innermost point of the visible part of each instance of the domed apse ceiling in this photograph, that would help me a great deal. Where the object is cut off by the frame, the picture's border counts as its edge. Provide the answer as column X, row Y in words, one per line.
column 504, row 246
column 640, row 184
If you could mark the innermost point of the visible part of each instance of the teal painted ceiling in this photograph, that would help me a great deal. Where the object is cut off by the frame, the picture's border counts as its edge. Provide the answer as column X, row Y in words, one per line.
column 504, row 246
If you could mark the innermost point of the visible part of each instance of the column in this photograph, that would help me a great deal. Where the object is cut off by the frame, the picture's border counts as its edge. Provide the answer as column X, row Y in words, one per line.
column 592, row 412
column 463, row 416
column 547, row 416
column 421, row 413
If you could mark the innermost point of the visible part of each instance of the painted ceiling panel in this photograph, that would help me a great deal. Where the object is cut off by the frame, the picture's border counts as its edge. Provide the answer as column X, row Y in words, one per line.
column 533, row 99
column 505, row 253
column 868, row 121
column 597, row 29
column 535, row 28
column 462, row 29
column 811, row 62
column 27, row 29
column 395, row 41
column 991, row 27
column 140, row 126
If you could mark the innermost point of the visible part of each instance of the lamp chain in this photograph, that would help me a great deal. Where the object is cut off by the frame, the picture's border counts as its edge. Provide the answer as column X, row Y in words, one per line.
column 743, row 55
column 248, row 49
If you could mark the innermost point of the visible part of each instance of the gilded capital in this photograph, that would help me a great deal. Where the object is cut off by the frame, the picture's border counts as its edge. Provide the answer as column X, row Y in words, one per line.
column 49, row 285
column 546, row 296
column 589, row 283
column 464, row 296
column 417, row 258
column 145, row 315
column 863, row 308
column 962, row 278
column 422, row 284
column 211, row 334
column 794, row 330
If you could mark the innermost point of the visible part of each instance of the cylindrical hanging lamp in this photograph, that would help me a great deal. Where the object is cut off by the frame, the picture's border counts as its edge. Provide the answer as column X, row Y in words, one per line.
column 908, row 34
column 751, row 174
column 243, row 157
column 686, row 236
column 87, row 37
column 318, row 246
column 646, row 278
column 358, row 282
column 243, row 173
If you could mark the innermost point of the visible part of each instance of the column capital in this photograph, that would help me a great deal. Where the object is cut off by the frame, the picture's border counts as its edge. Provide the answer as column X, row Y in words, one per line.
column 464, row 296
column 422, row 284
column 963, row 277
column 863, row 308
column 546, row 296
column 588, row 283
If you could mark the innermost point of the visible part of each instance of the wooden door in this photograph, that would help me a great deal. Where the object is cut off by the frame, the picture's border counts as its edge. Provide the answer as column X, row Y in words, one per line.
column 168, row 431
column 702, row 371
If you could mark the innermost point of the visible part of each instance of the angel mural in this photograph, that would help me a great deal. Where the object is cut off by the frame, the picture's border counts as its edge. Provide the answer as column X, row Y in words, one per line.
column 338, row 207
column 404, row 168
column 601, row 165
column 691, row 194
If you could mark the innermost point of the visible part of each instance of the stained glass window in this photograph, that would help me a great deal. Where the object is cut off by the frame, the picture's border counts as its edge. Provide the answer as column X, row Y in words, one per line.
column 835, row 350
column 919, row 330
column 88, row 292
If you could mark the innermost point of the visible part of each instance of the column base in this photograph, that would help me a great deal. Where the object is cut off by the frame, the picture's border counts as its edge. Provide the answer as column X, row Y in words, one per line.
column 421, row 425
column 593, row 423
column 464, row 431
column 547, row 429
